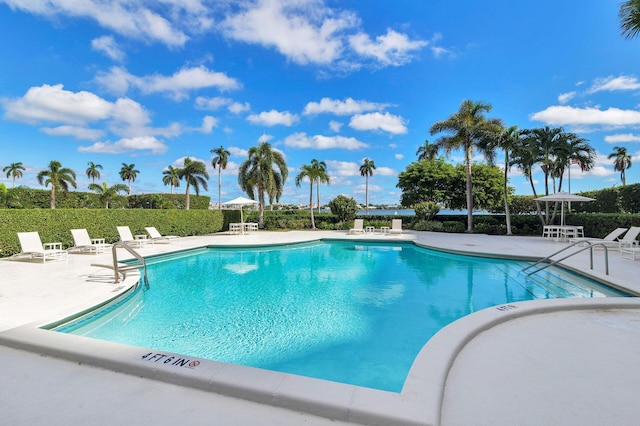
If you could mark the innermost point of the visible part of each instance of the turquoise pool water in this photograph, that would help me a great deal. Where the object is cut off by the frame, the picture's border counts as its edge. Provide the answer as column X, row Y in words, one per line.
column 351, row 312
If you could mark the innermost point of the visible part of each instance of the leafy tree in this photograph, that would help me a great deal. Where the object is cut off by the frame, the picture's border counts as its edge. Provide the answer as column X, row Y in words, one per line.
column 427, row 151
column 320, row 169
column 629, row 15
column 128, row 173
column 265, row 170
column 106, row 193
column 171, row 177
column 58, row 177
column 220, row 161
column 194, row 174
column 621, row 162
column 366, row 170
column 345, row 208
column 427, row 180
column 15, row 171
column 468, row 129
column 426, row 210
column 93, row 171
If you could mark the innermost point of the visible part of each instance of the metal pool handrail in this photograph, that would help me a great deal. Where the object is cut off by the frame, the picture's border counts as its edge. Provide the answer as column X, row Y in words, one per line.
column 117, row 269
column 589, row 247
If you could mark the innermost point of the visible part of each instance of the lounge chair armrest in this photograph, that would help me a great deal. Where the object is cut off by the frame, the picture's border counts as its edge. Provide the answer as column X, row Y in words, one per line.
column 53, row 246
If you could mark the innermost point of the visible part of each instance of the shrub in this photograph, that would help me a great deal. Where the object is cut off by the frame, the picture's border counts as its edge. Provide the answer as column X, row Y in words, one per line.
column 345, row 208
column 453, row 226
column 426, row 210
column 428, row 225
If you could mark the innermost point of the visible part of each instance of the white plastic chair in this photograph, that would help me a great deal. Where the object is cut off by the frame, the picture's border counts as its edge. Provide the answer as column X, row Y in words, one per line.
column 32, row 246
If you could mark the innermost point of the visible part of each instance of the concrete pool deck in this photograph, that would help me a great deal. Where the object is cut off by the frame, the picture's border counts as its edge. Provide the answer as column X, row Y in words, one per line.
column 545, row 362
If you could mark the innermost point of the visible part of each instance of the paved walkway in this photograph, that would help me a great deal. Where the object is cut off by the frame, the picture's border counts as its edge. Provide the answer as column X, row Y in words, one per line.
column 575, row 366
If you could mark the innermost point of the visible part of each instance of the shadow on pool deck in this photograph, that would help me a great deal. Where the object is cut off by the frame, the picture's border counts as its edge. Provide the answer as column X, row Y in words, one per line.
column 575, row 366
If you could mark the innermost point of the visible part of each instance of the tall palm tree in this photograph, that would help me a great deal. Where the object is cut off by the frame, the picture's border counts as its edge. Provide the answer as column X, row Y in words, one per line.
column 220, row 161
column 366, row 170
column 129, row 173
column 58, row 177
column 428, row 151
column 171, row 177
column 15, row 171
column 621, row 162
column 265, row 170
column 469, row 129
column 571, row 148
column 322, row 176
column 194, row 174
column 308, row 172
column 507, row 141
column 93, row 171
column 629, row 15
column 106, row 192
column 525, row 156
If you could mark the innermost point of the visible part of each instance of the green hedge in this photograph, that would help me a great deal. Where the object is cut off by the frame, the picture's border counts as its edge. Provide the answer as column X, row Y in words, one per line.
column 55, row 225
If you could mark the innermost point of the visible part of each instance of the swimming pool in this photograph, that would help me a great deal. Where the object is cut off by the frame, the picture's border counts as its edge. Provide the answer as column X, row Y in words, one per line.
column 346, row 311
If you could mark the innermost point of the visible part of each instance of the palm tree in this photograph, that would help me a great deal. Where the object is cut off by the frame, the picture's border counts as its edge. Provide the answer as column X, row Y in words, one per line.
column 15, row 171
column 58, row 177
column 547, row 140
column 470, row 129
column 309, row 172
column 106, row 193
column 571, row 148
column 93, row 171
column 525, row 156
column 265, row 170
column 507, row 140
column 621, row 162
column 129, row 173
column 194, row 174
column 220, row 161
column 427, row 151
column 629, row 15
column 320, row 168
column 171, row 177
column 366, row 170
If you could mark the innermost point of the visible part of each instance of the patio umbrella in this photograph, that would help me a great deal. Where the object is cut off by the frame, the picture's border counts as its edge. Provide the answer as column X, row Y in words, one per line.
column 562, row 197
column 240, row 202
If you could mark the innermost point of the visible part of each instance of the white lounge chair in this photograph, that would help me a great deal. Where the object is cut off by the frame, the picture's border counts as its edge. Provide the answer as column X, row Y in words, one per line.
column 358, row 227
column 611, row 239
column 630, row 239
column 32, row 246
column 126, row 237
column 396, row 226
column 157, row 237
column 85, row 244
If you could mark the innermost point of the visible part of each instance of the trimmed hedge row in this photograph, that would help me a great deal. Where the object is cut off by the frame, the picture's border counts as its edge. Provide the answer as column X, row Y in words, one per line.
column 55, row 225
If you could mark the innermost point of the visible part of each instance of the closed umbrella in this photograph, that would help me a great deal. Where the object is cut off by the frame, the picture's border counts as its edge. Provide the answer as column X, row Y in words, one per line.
column 562, row 197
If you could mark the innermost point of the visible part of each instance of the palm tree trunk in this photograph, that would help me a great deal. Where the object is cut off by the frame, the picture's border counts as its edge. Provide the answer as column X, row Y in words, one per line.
column 186, row 198
column 261, row 207
column 506, row 196
column 366, row 194
column 318, row 194
column 52, row 201
column 219, row 189
column 469, row 192
column 313, row 223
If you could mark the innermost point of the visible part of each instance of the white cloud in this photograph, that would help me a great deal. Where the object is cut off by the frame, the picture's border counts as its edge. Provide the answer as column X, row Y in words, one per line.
column 238, row 152
column 119, row 80
column 303, row 31
column 377, row 121
column 566, row 97
column 301, row 140
column 265, row 138
column 393, row 48
column 125, row 18
column 347, row 107
column 142, row 143
column 398, row 156
column 238, row 107
column 343, row 168
column 385, row 171
column 335, row 126
column 273, row 118
column 108, row 46
column 623, row 137
column 611, row 84
column 208, row 123
column 566, row 115
column 81, row 133
column 211, row 104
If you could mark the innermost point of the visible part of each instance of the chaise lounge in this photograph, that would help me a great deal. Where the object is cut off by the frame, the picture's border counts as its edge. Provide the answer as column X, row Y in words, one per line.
column 32, row 246
column 158, row 237
column 126, row 237
column 358, row 227
column 396, row 226
column 85, row 244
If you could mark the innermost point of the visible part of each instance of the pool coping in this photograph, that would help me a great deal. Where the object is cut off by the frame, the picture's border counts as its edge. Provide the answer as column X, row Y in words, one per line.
column 419, row 402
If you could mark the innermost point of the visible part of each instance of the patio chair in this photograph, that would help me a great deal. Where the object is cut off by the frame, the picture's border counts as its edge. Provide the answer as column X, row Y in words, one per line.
column 358, row 227
column 157, row 237
column 126, row 237
column 630, row 238
column 85, row 244
column 32, row 246
column 610, row 240
column 396, row 226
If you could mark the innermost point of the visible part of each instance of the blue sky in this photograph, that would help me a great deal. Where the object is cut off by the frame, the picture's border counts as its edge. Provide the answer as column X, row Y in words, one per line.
column 338, row 81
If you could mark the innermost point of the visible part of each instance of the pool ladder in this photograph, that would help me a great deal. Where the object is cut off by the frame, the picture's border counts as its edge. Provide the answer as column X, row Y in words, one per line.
column 589, row 247
column 119, row 269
